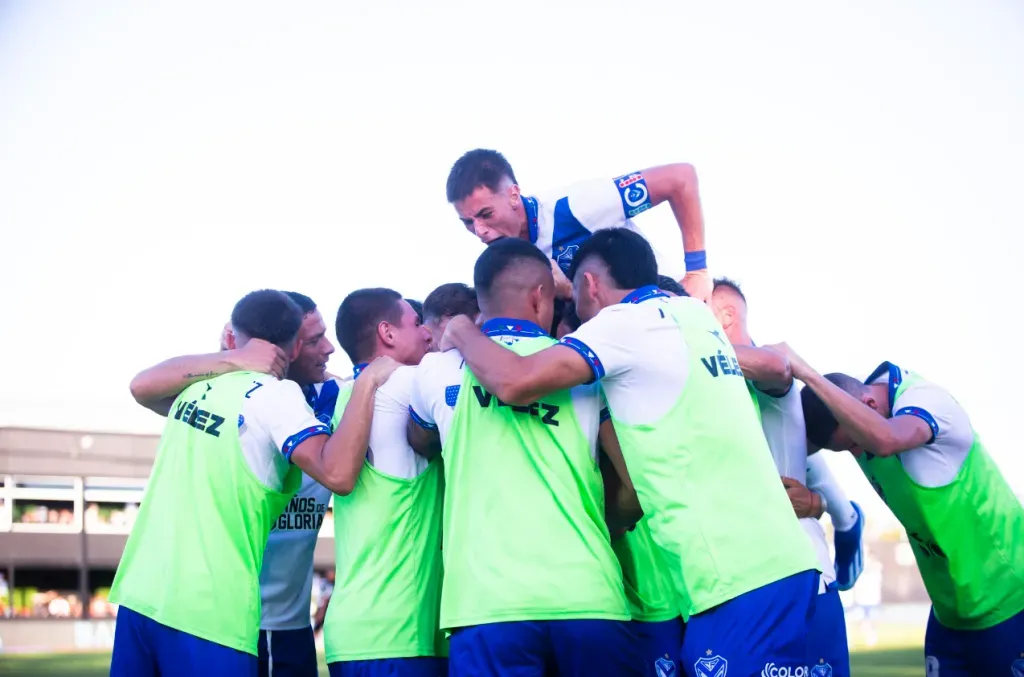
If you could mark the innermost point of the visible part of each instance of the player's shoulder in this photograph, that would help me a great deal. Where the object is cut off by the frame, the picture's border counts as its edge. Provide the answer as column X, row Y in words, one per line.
column 439, row 365
column 398, row 388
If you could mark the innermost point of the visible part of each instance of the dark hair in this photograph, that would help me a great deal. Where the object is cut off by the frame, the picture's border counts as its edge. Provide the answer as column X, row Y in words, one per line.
column 358, row 317
column 304, row 302
column 565, row 311
column 477, row 168
column 627, row 255
column 730, row 284
column 450, row 300
column 501, row 255
column 666, row 283
column 819, row 420
column 269, row 315
column 417, row 306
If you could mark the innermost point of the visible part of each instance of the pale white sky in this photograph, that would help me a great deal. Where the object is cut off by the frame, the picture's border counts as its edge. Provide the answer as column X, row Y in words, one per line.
column 859, row 164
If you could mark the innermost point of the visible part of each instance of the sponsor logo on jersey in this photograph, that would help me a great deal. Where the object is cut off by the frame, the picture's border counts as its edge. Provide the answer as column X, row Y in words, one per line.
column 711, row 666
column 634, row 193
column 773, row 670
column 547, row 413
column 664, row 667
column 303, row 513
column 822, row 669
column 721, row 364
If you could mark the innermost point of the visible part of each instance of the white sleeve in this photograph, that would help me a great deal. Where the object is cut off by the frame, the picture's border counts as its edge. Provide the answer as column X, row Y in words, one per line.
column 436, row 390
column 950, row 426
column 937, row 462
column 389, row 450
column 604, row 203
column 280, row 409
column 604, row 342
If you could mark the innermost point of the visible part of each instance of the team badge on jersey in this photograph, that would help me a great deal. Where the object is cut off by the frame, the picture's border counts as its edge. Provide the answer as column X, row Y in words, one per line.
column 822, row 669
column 633, row 191
column 663, row 667
column 565, row 254
column 712, row 666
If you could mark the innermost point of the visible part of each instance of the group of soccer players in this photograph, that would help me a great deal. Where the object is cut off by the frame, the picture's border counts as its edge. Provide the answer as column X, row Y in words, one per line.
column 569, row 469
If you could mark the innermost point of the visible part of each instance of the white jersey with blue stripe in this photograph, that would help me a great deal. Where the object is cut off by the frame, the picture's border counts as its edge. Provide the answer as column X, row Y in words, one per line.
column 286, row 578
column 560, row 222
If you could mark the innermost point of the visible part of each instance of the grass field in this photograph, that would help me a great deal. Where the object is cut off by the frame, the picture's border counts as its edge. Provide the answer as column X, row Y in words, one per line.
column 882, row 663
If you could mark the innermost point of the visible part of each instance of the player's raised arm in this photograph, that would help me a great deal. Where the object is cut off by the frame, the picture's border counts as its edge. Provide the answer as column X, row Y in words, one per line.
column 676, row 184
column 155, row 388
column 767, row 368
column 622, row 507
column 512, row 378
column 336, row 462
column 870, row 430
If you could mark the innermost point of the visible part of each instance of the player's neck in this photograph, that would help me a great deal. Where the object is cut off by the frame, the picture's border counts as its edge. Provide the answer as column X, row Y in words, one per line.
column 524, row 228
column 386, row 351
column 739, row 336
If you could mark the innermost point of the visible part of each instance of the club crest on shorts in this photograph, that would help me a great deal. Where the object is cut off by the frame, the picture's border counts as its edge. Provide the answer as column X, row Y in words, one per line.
column 663, row 667
column 822, row 669
column 712, row 666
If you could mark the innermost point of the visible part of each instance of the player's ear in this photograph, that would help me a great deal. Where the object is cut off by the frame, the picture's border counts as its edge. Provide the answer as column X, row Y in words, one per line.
column 870, row 401
column 293, row 354
column 386, row 333
column 513, row 196
column 227, row 338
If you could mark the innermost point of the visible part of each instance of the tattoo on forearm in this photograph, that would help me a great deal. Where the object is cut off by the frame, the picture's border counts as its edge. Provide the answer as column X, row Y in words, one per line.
column 205, row 375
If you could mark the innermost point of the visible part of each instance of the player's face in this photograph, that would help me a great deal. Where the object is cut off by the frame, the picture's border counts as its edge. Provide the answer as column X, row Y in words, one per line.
column 490, row 215
column 311, row 364
column 411, row 340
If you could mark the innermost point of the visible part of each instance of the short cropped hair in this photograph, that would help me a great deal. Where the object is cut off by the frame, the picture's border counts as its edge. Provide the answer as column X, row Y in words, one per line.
column 449, row 300
column 627, row 255
column 267, row 314
column 724, row 282
column 819, row 420
column 304, row 302
column 499, row 257
column 358, row 317
column 480, row 167
column 666, row 283
column 417, row 306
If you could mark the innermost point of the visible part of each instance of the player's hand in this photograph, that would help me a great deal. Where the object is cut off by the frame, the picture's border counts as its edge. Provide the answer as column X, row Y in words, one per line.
column 457, row 324
column 801, row 370
column 698, row 284
column 805, row 502
column 227, row 337
column 380, row 370
column 563, row 287
column 261, row 357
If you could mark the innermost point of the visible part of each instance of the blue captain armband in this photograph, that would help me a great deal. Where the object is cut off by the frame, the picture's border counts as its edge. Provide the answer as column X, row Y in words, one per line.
column 298, row 438
column 924, row 416
column 426, row 425
column 634, row 194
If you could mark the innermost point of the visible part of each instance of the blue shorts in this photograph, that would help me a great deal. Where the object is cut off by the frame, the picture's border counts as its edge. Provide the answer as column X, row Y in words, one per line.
column 828, row 653
column 659, row 646
column 145, row 648
column 572, row 648
column 287, row 653
column 423, row 666
column 998, row 650
column 763, row 631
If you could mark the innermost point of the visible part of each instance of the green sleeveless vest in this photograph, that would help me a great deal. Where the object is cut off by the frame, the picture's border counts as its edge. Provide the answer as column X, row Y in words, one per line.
column 967, row 536
column 387, row 547
column 524, row 530
column 192, row 561
column 705, row 476
column 649, row 590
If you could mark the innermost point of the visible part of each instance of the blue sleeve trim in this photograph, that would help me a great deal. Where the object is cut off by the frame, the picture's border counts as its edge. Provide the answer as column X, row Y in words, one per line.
column 419, row 420
column 924, row 416
column 300, row 437
column 634, row 194
column 605, row 415
column 589, row 355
